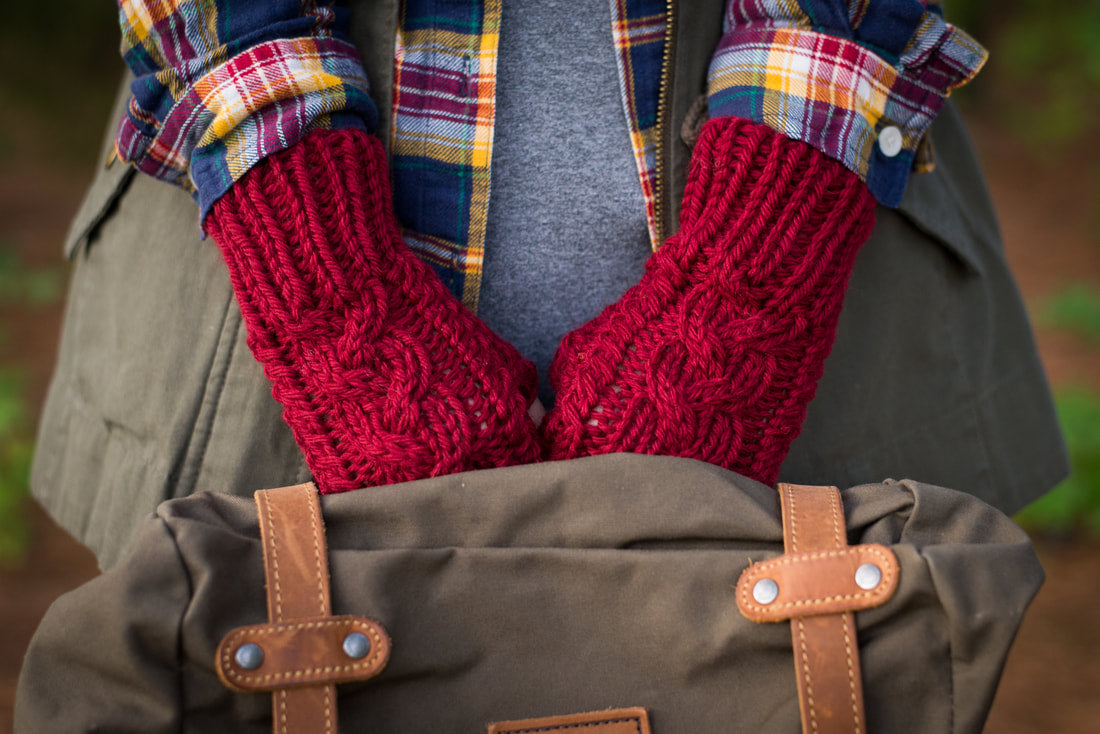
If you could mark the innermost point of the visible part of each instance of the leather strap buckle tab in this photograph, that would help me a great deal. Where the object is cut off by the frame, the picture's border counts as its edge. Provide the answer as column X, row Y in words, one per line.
column 818, row 584
column 303, row 651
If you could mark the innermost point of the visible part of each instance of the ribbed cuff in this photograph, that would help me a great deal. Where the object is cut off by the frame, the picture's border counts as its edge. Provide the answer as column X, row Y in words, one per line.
column 383, row 375
column 716, row 353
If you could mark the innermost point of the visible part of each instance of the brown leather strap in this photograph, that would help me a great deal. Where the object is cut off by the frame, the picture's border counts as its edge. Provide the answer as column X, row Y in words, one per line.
column 295, row 561
column 817, row 584
column 296, row 569
column 813, row 518
column 303, row 651
column 826, row 651
column 611, row 721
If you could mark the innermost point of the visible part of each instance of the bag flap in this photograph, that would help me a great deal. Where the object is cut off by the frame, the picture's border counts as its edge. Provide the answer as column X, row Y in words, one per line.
column 562, row 620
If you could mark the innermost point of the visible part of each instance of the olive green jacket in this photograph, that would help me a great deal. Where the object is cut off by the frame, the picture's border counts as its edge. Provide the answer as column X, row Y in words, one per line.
column 934, row 374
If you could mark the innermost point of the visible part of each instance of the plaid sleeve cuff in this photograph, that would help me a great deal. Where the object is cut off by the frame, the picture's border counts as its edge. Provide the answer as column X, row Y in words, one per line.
column 213, row 98
column 863, row 94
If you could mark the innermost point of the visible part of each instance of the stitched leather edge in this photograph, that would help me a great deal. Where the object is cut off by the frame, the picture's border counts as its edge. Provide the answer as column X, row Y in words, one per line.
column 835, row 587
column 591, row 722
column 329, row 665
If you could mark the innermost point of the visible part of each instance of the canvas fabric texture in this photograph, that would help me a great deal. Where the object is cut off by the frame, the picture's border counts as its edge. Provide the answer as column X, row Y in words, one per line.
column 604, row 582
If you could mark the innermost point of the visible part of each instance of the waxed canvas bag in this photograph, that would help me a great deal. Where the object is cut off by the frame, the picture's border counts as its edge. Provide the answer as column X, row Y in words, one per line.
column 598, row 595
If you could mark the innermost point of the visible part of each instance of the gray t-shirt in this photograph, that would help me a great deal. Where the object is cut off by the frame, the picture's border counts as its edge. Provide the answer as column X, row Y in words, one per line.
column 566, row 232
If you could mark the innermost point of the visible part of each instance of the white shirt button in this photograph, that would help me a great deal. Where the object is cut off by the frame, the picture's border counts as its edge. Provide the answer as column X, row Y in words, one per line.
column 889, row 141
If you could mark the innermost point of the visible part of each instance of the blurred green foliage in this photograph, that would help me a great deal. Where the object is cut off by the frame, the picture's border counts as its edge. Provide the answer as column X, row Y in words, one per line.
column 1043, row 82
column 1073, row 507
column 1075, row 308
column 1044, row 64
column 61, row 66
column 15, row 462
column 19, row 284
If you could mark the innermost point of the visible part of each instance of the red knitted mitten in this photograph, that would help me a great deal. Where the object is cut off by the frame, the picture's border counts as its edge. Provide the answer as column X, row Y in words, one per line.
column 383, row 375
column 715, row 354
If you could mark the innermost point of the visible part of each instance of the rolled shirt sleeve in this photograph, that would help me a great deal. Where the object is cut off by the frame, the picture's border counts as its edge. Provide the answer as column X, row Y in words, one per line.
column 220, row 85
column 860, row 80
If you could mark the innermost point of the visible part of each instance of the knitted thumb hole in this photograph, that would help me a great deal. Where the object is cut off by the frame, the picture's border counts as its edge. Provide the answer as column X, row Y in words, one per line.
column 716, row 353
column 383, row 375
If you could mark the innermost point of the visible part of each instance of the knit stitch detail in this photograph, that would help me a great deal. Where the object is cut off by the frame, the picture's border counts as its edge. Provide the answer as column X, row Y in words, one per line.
column 383, row 375
column 716, row 353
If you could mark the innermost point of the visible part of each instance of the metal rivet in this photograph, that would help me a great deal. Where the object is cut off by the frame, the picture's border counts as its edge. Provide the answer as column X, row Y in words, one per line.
column 356, row 645
column 250, row 656
column 868, row 576
column 765, row 591
column 890, row 141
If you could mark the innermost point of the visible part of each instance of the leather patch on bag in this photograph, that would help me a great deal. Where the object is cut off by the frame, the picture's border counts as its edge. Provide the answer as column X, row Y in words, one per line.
column 615, row 721
column 819, row 582
column 303, row 653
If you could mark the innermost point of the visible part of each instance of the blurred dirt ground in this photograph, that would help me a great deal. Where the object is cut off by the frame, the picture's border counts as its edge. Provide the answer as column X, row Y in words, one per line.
column 1047, row 207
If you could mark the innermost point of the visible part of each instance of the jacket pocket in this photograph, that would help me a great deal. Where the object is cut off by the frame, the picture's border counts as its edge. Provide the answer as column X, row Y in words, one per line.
column 110, row 182
column 155, row 394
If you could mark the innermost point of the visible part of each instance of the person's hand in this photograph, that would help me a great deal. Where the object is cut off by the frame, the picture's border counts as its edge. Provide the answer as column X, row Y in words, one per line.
column 383, row 374
column 716, row 353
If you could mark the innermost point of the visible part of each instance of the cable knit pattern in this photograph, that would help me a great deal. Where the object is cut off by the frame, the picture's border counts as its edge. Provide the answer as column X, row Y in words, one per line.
column 384, row 377
column 716, row 353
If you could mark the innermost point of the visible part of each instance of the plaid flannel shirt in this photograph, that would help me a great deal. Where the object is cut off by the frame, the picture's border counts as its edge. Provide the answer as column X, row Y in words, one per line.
column 223, row 83
column 444, row 99
column 860, row 80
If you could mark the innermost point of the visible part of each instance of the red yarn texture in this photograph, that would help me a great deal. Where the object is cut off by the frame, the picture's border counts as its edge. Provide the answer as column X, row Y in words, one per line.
column 716, row 353
column 383, row 375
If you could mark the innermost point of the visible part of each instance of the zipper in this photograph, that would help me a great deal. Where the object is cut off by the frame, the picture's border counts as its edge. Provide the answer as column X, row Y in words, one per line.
column 660, row 186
